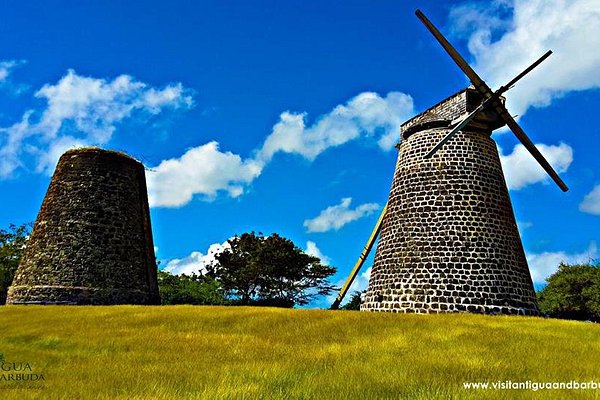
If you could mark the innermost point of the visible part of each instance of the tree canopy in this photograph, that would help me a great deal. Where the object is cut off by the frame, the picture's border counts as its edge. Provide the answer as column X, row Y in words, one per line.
column 354, row 302
column 12, row 245
column 270, row 270
column 194, row 289
column 573, row 292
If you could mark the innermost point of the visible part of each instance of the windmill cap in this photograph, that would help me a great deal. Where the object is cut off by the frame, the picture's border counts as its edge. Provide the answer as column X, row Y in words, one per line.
column 449, row 110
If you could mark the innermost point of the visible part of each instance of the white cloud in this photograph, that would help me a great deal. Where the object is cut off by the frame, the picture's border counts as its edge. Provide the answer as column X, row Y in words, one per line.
column 367, row 113
column 154, row 100
column 206, row 170
column 6, row 67
column 334, row 217
column 201, row 170
column 313, row 250
column 48, row 157
column 521, row 169
column 82, row 111
column 94, row 106
column 522, row 225
column 360, row 284
column 10, row 145
column 542, row 265
column 503, row 48
column 591, row 202
column 196, row 262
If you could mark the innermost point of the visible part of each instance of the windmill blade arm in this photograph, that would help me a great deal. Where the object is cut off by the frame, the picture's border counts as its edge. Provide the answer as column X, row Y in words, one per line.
column 455, row 130
column 520, row 134
column 522, row 74
column 479, row 84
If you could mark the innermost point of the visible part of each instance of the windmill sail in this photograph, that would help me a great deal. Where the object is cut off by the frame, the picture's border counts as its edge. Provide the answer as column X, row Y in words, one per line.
column 493, row 97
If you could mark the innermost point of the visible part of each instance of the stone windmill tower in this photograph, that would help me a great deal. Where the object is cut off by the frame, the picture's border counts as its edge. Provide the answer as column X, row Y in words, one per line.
column 92, row 240
column 448, row 237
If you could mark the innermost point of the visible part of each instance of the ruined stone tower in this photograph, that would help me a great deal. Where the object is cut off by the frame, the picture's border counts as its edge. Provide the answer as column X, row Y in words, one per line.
column 449, row 241
column 92, row 240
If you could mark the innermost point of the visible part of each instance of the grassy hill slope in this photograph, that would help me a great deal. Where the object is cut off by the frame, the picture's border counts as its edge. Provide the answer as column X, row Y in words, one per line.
column 136, row 352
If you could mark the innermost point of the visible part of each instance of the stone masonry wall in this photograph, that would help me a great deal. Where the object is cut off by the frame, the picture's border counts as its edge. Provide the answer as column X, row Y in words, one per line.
column 92, row 239
column 449, row 241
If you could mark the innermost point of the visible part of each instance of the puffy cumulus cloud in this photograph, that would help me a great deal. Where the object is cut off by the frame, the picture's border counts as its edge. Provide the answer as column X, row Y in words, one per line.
column 335, row 217
column 93, row 106
column 82, row 110
column 313, row 250
column 521, row 169
column 205, row 170
column 196, row 262
column 591, row 202
column 367, row 113
column 503, row 47
column 201, row 170
column 542, row 265
column 85, row 111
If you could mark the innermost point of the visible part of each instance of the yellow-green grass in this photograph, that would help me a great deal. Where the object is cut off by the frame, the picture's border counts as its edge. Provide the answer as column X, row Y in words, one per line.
column 137, row 352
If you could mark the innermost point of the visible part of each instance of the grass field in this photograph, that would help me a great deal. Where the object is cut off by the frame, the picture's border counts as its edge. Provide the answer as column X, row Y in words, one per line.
column 136, row 352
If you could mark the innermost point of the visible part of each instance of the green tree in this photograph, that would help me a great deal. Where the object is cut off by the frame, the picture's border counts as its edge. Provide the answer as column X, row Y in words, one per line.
column 185, row 289
column 573, row 292
column 12, row 245
column 354, row 303
column 271, row 271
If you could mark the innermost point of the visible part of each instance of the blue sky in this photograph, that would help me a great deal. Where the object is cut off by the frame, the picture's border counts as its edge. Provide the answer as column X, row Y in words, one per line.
column 281, row 116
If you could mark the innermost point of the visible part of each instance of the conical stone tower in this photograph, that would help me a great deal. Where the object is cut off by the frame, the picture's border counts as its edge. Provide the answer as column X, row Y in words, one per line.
column 449, row 241
column 92, row 240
